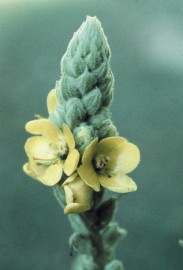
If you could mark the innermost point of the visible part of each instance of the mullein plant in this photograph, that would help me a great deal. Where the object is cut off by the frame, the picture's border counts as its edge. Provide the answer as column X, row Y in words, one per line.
column 78, row 151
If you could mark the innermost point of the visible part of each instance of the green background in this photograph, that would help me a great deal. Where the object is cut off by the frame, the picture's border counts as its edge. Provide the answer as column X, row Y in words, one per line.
column 146, row 39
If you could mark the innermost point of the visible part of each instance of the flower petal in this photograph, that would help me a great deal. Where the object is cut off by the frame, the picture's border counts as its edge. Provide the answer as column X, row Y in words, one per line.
column 44, row 127
column 27, row 170
column 33, row 170
column 72, row 208
column 90, row 151
column 123, row 156
column 127, row 161
column 89, row 176
column 118, row 183
column 38, row 147
column 52, row 175
column 52, row 101
column 37, row 169
column 78, row 195
column 71, row 162
column 111, row 146
column 70, row 179
column 68, row 137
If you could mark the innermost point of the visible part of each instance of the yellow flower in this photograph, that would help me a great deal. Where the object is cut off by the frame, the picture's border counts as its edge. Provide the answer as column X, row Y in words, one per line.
column 78, row 195
column 107, row 162
column 51, row 153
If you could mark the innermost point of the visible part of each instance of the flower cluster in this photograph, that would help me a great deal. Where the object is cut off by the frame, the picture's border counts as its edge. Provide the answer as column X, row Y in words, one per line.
column 54, row 159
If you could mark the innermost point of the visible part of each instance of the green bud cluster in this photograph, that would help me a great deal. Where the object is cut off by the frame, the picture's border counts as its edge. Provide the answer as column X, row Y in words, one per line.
column 85, row 89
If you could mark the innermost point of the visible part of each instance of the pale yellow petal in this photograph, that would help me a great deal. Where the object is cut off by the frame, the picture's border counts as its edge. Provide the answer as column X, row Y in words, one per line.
column 74, row 208
column 118, row 183
column 111, row 147
column 38, row 147
column 52, row 175
column 90, row 151
column 71, row 162
column 52, row 101
column 123, row 156
column 68, row 194
column 68, row 137
column 81, row 192
column 34, row 171
column 126, row 161
column 78, row 195
column 89, row 176
column 44, row 127
column 70, row 179
column 27, row 170
column 37, row 169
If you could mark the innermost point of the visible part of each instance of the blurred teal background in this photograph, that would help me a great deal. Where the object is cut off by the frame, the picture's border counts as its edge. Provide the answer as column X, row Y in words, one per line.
column 146, row 39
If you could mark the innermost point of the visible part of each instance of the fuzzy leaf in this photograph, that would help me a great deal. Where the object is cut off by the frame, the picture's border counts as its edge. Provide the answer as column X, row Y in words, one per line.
column 75, row 112
column 101, row 121
column 114, row 265
column 97, row 120
column 58, row 116
column 87, row 82
column 104, row 128
column 69, row 88
column 112, row 234
column 92, row 101
column 81, row 243
column 111, row 131
column 84, row 262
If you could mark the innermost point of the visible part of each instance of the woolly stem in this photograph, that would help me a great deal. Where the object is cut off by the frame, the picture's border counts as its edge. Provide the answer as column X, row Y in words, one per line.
column 100, row 254
column 92, row 222
column 95, row 235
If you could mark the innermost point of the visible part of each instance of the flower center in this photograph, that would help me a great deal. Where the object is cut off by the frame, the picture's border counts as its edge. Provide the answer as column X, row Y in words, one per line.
column 100, row 163
column 62, row 149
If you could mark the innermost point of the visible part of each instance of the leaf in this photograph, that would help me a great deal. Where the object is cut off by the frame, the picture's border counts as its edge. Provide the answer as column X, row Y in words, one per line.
column 81, row 243
column 92, row 101
column 106, row 211
column 84, row 262
column 114, row 265
column 112, row 234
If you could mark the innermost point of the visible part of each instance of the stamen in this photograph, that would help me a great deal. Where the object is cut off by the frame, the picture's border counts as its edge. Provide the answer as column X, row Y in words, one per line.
column 100, row 163
column 62, row 149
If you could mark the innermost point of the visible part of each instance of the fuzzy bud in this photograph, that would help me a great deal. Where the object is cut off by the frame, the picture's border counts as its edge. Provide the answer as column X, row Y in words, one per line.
column 85, row 89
